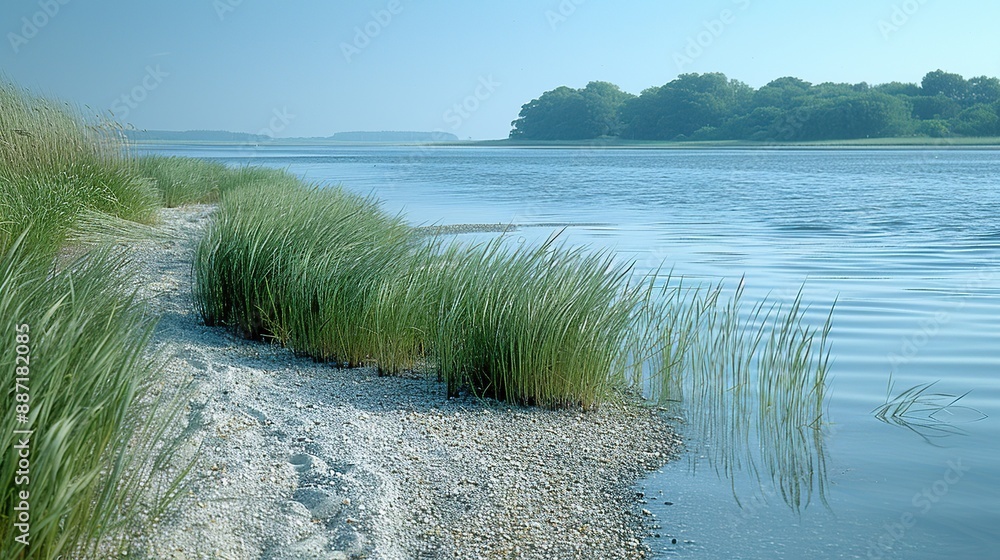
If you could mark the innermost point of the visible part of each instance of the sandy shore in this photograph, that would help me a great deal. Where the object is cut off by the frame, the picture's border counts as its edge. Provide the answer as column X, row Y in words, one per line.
column 294, row 459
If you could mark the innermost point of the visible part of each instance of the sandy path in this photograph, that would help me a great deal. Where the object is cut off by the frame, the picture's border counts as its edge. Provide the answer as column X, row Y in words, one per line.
column 299, row 460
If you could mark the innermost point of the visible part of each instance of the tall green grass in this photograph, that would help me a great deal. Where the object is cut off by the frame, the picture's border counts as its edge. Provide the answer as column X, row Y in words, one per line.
column 305, row 267
column 98, row 438
column 750, row 380
column 93, row 449
column 329, row 275
column 55, row 166
column 180, row 181
column 539, row 325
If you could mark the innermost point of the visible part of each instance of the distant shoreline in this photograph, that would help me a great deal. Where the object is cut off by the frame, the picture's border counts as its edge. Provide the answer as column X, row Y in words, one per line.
column 864, row 143
column 614, row 143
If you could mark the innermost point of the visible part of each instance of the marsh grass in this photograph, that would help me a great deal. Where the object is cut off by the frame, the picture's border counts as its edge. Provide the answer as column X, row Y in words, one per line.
column 751, row 382
column 329, row 275
column 99, row 438
column 54, row 166
column 306, row 269
column 541, row 325
column 93, row 450
column 180, row 181
column 929, row 414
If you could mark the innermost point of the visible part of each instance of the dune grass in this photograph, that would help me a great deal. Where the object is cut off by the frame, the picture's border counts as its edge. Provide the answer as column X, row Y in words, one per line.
column 93, row 447
column 302, row 266
column 98, row 437
column 182, row 181
column 55, row 166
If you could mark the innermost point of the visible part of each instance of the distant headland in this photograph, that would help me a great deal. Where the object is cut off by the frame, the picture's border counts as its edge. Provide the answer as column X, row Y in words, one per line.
column 227, row 136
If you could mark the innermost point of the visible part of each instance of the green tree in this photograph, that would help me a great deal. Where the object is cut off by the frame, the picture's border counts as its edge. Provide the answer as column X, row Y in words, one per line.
column 712, row 106
column 935, row 128
column 898, row 88
column 571, row 114
column 560, row 114
column 761, row 124
column 604, row 101
column 952, row 86
column 857, row 115
column 938, row 106
column 783, row 93
column 685, row 105
column 978, row 120
column 983, row 89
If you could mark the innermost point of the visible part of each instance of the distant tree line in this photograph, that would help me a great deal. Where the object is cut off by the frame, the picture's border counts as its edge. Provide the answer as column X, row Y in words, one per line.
column 714, row 107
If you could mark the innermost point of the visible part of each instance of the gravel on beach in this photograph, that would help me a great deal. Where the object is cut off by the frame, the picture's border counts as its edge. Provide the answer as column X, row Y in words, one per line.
column 298, row 460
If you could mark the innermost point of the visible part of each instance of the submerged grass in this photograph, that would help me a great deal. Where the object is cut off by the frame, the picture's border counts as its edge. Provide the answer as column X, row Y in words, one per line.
column 752, row 382
column 930, row 415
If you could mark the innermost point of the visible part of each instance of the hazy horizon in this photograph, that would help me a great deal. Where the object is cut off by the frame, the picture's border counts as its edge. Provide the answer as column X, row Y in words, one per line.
column 312, row 69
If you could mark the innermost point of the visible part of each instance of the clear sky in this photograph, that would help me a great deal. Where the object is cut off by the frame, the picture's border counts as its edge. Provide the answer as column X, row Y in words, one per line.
column 312, row 68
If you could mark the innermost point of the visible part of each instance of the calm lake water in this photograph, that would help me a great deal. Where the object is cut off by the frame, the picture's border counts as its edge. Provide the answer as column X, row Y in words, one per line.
column 906, row 241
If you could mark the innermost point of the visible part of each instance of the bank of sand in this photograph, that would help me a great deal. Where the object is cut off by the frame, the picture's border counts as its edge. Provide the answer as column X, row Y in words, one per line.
column 294, row 459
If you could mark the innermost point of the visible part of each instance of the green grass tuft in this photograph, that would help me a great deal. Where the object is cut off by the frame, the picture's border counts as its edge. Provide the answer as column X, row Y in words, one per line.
column 93, row 446
column 543, row 325
column 54, row 166
column 181, row 181
column 97, row 439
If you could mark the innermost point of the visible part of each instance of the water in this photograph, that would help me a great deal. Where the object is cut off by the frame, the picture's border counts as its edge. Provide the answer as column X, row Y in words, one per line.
column 906, row 241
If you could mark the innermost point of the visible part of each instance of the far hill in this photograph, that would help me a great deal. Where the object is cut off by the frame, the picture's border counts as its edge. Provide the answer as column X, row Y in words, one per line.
column 386, row 137
column 394, row 136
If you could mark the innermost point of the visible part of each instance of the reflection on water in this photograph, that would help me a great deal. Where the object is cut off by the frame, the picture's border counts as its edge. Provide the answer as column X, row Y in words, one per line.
column 750, row 385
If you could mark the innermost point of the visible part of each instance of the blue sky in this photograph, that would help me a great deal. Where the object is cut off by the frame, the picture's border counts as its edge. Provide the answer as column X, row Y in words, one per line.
column 312, row 68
